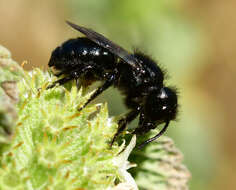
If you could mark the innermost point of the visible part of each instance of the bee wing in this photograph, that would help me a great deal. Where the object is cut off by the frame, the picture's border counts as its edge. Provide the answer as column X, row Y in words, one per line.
column 104, row 42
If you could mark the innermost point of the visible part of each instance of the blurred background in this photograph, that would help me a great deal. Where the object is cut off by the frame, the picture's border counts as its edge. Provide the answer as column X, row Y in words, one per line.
column 193, row 39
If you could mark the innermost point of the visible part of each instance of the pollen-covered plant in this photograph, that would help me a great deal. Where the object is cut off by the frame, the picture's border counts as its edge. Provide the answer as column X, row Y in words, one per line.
column 46, row 143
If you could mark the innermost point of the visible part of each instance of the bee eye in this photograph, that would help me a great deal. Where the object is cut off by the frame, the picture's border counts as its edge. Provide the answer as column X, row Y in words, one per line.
column 161, row 105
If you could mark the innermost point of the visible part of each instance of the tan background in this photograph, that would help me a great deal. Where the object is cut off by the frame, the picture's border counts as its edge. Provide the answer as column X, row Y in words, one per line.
column 195, row 40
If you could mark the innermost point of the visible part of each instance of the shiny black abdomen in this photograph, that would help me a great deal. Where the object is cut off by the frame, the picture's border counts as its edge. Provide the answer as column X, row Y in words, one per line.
column 76, row 54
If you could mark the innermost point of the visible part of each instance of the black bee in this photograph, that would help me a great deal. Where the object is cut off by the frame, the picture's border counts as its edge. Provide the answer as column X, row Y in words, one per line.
column 138, row 77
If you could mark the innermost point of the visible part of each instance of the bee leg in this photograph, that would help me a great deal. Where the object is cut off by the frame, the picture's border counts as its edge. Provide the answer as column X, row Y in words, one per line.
column 111, row 79
column 78, row 85
column 60, row 81
column 73, row 75
column 124, row 121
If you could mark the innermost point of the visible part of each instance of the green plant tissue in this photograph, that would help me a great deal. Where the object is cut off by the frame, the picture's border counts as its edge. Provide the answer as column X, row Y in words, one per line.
column 46, row 144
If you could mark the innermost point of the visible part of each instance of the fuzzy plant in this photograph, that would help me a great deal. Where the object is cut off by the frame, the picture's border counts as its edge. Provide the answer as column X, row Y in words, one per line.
column 47, row 144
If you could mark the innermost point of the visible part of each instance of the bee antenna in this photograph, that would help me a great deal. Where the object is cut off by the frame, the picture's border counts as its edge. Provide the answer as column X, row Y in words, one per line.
column 155, row 137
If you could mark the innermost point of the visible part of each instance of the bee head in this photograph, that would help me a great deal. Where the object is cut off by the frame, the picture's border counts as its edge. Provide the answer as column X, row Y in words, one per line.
column 161, row 105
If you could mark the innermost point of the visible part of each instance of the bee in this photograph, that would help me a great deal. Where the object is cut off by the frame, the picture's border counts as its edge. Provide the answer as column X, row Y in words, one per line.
column 135, row 75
